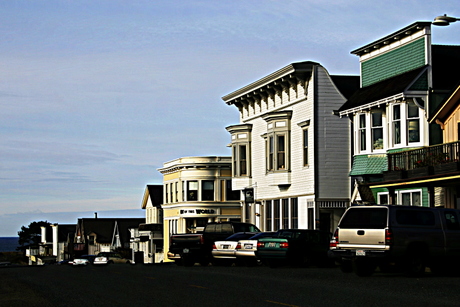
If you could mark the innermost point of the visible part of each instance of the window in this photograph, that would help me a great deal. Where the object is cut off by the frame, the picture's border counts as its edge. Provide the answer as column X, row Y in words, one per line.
column 277, row 141
column 305, row 147
column 382, row 198
column 396, row 124
column 451, row 220
column 192, row 190
column 207, row 192
column 281, row 152
column 285, row 213
column 176, row 191
column 167, row 193
column 268, row 215
column 294, row 213
column 362, row 132
column 377, row 129
column 271, row 149
column 241, row 149
column 413, row 123
column 411, row 198
column 243, row 160
column 229, row 193
column 277, row 157
column 276, row 214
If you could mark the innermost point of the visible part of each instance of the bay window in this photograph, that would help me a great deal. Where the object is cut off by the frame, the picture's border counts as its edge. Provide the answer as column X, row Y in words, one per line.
column 396, row 124
column 413, row 123
column 362, row 132
column 277, row 141
column 241, row 149
column 377, row 129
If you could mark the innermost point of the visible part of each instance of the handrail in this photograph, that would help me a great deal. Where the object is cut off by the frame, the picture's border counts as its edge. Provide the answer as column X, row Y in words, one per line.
column 424, row 156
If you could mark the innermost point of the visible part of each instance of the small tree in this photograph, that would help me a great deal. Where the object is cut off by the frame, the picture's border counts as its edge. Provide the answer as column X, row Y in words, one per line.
column 31, row 234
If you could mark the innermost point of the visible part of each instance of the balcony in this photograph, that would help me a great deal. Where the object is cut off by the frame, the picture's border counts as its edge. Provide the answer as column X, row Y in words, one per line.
column 422, row 162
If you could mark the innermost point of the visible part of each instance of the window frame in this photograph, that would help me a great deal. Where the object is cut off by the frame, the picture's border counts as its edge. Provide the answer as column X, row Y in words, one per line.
column 277, row 153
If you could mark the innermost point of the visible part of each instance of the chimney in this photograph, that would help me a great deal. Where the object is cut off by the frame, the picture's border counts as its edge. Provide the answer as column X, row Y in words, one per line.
column 95, row 215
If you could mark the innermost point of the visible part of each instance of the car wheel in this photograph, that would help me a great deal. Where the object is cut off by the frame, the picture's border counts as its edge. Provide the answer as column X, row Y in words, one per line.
column 110, row 262
column 414, row 266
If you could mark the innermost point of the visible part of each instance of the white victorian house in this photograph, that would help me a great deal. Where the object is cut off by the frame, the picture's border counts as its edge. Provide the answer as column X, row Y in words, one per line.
column 290, row 152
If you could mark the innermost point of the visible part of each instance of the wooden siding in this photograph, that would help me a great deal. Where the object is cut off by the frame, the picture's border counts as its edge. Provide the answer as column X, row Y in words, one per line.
column 394, row 62
column 451, row 126
column 333, row 138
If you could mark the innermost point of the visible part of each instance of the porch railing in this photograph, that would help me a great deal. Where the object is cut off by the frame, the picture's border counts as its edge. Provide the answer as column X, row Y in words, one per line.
column 425, row 156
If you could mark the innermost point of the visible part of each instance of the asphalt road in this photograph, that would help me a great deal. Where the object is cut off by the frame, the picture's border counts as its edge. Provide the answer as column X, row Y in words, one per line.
column 170, row 285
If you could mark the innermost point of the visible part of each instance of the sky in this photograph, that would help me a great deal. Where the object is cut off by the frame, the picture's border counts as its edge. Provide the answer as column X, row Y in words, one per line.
column 96, row 95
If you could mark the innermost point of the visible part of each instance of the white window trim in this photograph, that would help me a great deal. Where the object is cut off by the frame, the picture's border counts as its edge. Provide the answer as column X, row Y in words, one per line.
column 401, row 192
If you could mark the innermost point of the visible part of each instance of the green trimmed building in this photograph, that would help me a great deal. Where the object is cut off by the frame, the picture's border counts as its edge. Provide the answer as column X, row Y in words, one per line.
column 404, row 79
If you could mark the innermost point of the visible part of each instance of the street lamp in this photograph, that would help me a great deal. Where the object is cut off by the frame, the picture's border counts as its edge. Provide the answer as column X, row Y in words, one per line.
column 444, row 20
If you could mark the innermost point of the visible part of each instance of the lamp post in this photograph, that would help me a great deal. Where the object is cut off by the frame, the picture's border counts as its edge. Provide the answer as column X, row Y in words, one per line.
column 444, row 20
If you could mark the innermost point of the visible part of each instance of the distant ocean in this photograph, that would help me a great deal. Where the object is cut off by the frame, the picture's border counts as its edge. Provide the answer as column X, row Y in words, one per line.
column 8, row 244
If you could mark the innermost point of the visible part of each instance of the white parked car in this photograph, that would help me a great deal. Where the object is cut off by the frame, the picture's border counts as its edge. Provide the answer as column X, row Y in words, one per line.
column 80, row 261
column 245, row 249
column 110, row 258
column 223, row 252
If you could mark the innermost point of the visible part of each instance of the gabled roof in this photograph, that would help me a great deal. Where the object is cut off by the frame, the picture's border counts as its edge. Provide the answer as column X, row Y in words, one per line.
column 66, row 232
column 155, row 193
column 448, row 106
column 382, row 90
column 104, row 227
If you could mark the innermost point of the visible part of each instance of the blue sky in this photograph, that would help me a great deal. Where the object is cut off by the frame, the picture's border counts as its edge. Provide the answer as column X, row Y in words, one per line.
column 96, row 95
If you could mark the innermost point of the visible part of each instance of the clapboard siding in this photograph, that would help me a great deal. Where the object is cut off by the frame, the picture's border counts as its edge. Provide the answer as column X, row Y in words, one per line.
column 333, row 141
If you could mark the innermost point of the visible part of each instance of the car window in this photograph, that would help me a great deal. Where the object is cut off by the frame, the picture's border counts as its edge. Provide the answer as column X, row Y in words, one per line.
column 227, row 228
column 262, row 235
column 451, row 220
column 245, row 228
column 415, row 217
column 210, row 228
column 239, row 236
column 365, row 218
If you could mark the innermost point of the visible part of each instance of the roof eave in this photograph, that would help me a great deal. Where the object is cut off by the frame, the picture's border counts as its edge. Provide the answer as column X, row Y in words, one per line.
column 300, row 67
column 418, row 25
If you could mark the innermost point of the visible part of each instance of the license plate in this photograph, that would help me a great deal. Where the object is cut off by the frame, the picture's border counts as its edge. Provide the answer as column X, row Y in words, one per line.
column 360, row 252
column 248, row 246
column 185, row 250
column 225, row 246
column 271, row 244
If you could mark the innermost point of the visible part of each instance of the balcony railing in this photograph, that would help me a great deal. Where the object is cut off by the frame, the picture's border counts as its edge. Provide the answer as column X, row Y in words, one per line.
column 425, row 156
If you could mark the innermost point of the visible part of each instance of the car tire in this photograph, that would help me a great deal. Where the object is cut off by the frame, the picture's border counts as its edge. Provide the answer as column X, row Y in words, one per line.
column 414, row 266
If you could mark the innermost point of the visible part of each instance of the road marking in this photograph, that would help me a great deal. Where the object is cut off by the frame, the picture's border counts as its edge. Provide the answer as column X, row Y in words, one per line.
column 279, row 303
column 201, row 287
